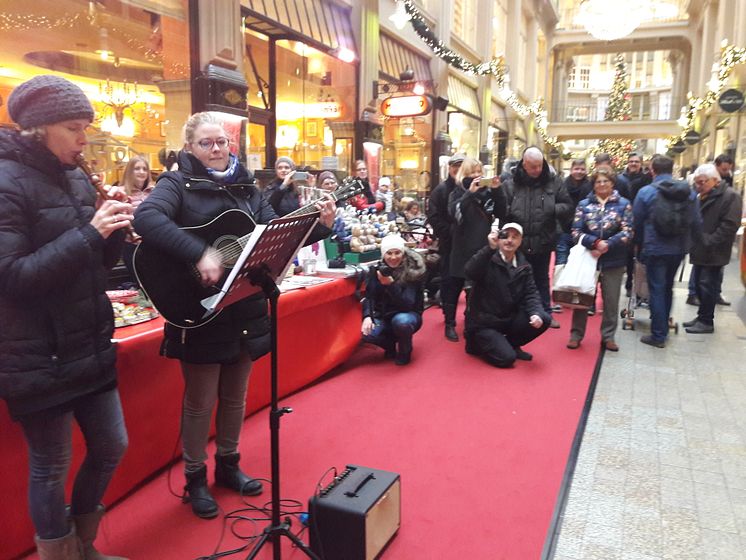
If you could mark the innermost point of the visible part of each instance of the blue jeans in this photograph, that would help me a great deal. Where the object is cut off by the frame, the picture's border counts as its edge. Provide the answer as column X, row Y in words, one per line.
column 398, row 329
column 661, row 271
column 540, row 266
column 49, row 438
column 708, row 289
column 564, row 243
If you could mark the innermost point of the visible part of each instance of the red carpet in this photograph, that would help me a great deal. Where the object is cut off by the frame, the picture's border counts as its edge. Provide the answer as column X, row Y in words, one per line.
column 481, row 451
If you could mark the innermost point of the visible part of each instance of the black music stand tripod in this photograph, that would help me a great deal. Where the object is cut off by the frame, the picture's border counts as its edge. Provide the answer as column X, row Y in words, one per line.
column 261, row 276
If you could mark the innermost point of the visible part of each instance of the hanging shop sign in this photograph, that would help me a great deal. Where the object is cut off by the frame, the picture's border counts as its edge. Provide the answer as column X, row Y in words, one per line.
column 406, row 106
column 731, row 100
column 692, row 137
column 679, row 147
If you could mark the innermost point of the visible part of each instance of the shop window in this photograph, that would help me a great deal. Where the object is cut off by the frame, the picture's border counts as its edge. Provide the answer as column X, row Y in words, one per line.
column 132, row 63
column 464, row 133
column 315, row 107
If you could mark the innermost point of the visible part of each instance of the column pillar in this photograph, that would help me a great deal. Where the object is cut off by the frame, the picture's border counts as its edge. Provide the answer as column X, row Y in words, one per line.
column 220, row 84
column 530, row 64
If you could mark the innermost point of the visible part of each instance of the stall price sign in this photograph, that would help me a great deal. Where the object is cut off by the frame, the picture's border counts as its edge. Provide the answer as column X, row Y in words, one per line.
column 406, row 106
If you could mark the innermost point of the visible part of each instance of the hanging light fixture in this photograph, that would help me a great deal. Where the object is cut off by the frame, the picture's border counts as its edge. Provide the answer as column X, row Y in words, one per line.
column 608, row 20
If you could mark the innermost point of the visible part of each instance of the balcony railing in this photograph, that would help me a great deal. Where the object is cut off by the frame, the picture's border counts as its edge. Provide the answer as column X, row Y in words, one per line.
column 595, row 112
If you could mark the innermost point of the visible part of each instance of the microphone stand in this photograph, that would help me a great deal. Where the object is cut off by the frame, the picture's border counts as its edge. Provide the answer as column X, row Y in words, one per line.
column 261, row 276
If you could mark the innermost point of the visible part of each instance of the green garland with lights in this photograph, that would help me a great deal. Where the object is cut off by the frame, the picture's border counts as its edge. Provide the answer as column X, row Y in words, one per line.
column 730, row 56
column 496, row 66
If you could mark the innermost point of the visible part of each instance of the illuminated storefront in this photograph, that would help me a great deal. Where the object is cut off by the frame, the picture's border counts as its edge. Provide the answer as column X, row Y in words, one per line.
column 464, row 117
column 302, row 76
column 131, row 59
column 497, row 135
column 407, row 140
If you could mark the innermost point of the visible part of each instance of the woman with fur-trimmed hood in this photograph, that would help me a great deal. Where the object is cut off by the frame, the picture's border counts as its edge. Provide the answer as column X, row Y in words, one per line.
column 393, row 303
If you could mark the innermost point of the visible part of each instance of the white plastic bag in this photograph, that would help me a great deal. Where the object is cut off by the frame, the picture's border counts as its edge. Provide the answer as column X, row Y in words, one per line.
column 579, row 274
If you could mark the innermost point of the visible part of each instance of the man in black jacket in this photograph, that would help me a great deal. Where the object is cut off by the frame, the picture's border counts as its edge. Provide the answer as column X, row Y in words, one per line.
column 721, row 216
column 637, row 178
column 538, row 200
column 504, row 310
column 441, row 221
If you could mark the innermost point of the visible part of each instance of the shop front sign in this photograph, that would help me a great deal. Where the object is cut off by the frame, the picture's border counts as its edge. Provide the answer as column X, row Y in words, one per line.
column 406, row 106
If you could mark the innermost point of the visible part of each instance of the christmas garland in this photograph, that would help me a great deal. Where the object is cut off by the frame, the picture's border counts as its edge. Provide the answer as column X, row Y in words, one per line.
column 496, row 66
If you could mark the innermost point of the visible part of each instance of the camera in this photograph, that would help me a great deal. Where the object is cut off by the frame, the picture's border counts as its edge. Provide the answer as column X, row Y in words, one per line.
column 300, row 176
column 385, row 270
column 503, row 234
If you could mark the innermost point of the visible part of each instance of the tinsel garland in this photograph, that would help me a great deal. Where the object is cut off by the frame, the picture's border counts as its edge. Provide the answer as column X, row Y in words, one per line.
column 496, row 66
column 730, row 56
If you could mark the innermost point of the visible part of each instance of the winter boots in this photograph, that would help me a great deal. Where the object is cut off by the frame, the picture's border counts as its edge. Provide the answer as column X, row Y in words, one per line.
column 449, row 314
column 63, row 548
column 86, row 526
column 229, row 475
column 197, row 493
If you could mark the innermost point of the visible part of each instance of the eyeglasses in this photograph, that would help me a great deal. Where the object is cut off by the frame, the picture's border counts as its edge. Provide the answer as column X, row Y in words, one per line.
column 207, row 143
column 700, row 182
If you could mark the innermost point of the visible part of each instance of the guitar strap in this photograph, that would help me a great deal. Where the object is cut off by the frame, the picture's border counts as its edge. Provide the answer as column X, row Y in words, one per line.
column 241, row 195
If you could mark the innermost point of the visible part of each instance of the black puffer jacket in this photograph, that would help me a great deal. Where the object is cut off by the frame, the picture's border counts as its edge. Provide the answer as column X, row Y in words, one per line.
column 538, row 205
column 282, row 198
column 188, row 197
column 499, row 292
column 403, row 296
column 438, row 216
column 721, row 218
column 57, row 323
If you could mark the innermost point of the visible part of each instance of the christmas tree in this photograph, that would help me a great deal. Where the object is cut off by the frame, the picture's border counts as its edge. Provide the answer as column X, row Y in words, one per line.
column 618, row 109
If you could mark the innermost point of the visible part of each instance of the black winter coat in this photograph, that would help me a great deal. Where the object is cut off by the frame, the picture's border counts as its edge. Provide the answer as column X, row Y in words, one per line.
column 472, row 214
column 721, row 218
column 404, row 295
column 438, row 216
column 188, row 197
column 499, row 292
column 57, row 322
column 283, row 199
column 577, row 192
column 538, row 205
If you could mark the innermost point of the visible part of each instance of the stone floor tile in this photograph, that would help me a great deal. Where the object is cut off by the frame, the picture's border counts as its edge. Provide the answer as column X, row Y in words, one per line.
column 719, row 545
column 593, row 551
column 632, row 555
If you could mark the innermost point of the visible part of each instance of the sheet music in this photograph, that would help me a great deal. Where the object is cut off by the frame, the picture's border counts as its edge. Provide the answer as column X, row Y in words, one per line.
column 212, row 302
column 272, row 246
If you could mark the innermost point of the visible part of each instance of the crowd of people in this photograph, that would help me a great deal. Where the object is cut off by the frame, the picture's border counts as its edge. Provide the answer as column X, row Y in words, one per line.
column 496, row 237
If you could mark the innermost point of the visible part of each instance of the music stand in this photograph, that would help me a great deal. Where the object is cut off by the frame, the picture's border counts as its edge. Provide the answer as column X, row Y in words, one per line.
column 264, row 260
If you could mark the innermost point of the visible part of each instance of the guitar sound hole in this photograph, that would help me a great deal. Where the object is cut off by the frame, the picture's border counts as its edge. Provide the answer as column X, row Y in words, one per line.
column 229, row 248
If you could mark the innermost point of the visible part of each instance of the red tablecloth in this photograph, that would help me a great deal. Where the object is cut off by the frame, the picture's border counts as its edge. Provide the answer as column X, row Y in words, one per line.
column 319, row 327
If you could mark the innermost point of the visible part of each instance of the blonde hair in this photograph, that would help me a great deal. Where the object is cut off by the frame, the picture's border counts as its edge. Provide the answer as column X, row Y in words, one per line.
column 197, row 120
column 128, row 177
column 469, row 166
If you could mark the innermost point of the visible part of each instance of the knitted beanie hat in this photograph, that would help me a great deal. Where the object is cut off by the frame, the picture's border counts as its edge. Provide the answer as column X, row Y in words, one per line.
column 392, row 241
column 48, row 99
column 324, row 175
column 285, row 159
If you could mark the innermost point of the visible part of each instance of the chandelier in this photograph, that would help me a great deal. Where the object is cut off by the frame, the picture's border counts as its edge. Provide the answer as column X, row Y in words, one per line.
column 117, row 98
column 608, row 20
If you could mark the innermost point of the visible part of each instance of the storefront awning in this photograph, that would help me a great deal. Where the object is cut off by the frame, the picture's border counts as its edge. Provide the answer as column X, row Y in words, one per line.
column 394, row 58
column 462, row 97
column 322, row 22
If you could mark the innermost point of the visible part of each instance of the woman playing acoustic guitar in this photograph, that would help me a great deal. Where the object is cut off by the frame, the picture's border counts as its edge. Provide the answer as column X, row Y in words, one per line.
column 216, row 357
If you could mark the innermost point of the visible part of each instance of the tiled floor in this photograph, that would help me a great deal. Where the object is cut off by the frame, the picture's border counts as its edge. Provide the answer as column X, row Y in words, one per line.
column 662, row 468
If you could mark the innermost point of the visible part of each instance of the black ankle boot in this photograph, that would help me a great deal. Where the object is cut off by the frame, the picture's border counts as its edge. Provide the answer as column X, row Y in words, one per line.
column 449, row 314
column 404, row 353
column 229, row 475
column 197, row 493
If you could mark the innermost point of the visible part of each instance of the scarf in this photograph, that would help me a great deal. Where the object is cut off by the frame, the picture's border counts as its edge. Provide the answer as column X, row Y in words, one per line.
column 231, row 173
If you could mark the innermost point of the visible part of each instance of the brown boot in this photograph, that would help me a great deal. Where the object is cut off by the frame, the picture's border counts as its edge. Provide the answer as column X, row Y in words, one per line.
column 63, row 548
column 87, row 528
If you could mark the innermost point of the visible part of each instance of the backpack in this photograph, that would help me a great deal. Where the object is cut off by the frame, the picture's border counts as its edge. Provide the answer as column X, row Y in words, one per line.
column 671, row 212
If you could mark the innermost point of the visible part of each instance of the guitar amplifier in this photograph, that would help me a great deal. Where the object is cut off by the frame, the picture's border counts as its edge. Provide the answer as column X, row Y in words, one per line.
column 356, row 516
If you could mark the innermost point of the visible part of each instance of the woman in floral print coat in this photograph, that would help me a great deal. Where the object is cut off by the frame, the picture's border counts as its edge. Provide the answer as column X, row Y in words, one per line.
column 603, row 224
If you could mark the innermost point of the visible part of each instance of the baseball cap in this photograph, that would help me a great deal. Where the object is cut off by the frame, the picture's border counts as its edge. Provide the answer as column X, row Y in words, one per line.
column 512, row 225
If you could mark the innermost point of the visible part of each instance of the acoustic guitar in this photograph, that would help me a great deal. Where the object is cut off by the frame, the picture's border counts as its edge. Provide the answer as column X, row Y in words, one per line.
column 174, row 286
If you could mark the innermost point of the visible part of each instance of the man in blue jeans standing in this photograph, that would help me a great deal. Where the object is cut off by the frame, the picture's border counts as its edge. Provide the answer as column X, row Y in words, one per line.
column 661, row 254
